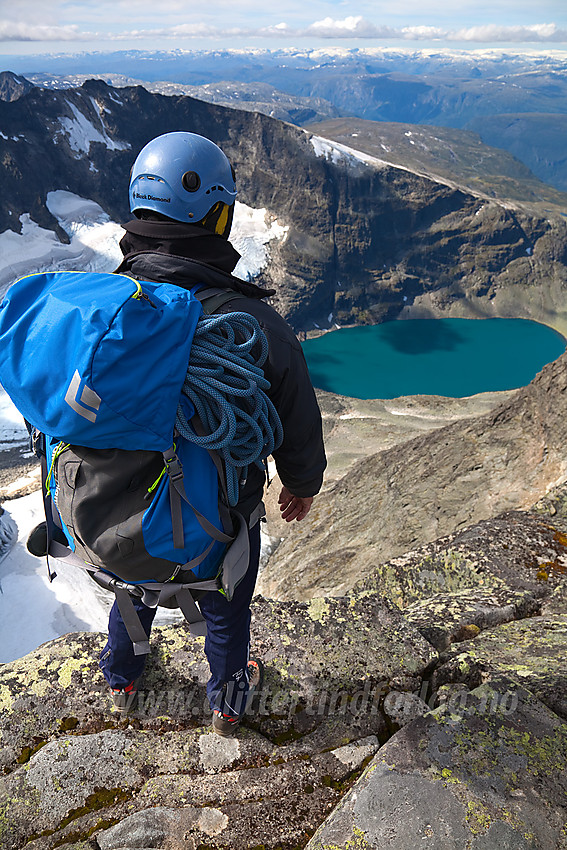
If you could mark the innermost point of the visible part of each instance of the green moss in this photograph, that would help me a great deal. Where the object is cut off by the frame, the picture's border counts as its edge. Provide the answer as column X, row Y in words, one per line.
column 68, row 724
column 284, row 737
column 329, row 782
column 78, row 836
column 99, row 799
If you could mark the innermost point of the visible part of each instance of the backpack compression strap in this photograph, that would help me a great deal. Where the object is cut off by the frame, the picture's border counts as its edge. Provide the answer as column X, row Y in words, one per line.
column 213, row 297
column 176, row 493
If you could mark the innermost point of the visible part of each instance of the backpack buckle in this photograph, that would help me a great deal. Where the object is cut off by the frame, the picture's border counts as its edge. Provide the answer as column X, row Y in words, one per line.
column 173, row 465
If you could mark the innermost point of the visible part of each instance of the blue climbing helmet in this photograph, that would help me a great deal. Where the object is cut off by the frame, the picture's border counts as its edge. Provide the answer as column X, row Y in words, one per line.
column 185, row 177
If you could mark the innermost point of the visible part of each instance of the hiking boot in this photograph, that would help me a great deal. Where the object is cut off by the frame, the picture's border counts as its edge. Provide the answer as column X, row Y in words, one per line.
column 227, row 725
column 255, row 677
column 124, row 699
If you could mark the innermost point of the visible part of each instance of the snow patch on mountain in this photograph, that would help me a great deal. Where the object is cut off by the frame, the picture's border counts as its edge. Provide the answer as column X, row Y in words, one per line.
column 93, row 246
column 90, row 229
column 252, row 230
column 69, row 604
column 338, row 154
column 94, row 240
column 81, row 132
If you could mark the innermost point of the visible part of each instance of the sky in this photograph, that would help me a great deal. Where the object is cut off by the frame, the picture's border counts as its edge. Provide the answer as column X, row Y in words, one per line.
column 40, row 26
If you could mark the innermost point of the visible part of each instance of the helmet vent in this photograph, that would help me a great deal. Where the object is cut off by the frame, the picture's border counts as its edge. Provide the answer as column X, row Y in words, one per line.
column 191, row 181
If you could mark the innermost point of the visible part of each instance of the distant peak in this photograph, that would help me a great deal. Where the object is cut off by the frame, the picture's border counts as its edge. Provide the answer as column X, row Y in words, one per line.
column 12, row 86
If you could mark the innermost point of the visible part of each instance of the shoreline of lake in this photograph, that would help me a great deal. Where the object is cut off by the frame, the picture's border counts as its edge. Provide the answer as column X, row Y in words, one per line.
column 452, row 357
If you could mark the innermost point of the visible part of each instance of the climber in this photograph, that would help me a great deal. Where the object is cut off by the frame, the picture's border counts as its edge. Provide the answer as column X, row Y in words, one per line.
column 182, row 193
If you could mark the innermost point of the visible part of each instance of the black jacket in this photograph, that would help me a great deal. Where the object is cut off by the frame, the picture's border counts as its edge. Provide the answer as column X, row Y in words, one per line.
column 187, row 254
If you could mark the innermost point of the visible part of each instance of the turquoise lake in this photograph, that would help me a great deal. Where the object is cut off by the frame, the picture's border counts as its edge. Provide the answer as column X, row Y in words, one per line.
column 449, row 357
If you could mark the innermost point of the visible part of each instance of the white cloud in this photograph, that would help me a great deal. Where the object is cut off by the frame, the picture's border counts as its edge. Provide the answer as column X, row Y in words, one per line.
column 359, row 27
column 21, row 31
column 491, row 33
column 351, row 27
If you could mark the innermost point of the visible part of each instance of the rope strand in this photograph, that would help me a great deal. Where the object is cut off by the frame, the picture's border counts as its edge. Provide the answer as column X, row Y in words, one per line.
column 227, row 388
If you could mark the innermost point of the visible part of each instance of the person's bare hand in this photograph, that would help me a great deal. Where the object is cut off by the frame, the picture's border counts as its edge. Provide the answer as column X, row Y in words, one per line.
column 294, row 507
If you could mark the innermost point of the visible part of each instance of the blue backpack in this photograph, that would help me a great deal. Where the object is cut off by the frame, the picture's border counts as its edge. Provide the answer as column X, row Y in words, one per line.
column 140, row 407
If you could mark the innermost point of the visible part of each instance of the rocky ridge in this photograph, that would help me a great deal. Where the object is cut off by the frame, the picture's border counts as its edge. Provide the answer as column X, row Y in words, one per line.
column 253, row 97
column 439, row 679
column 454, row 156
column 12, row 87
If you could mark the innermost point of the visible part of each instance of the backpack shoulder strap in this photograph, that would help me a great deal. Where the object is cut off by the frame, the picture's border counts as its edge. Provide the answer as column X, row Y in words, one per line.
column 213, row 297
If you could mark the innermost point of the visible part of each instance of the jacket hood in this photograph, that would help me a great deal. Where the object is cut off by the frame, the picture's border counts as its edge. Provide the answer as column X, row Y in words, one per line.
column 182, row 254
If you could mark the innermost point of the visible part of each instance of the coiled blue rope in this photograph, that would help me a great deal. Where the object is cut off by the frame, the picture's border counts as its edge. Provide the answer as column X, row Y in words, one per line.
column 226, row 385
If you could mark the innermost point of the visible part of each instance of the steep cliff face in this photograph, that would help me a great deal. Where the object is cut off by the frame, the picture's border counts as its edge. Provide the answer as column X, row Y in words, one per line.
column 365, row 239
column 427, row 487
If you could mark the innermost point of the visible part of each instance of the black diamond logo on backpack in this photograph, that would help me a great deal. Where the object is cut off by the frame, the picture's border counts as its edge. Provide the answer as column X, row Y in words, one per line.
column 82, row 399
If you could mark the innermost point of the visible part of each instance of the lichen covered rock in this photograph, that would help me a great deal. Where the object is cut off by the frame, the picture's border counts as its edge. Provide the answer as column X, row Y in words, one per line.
column 491, row 775
column 531, row 651
column 447, row 618
column 73, row 769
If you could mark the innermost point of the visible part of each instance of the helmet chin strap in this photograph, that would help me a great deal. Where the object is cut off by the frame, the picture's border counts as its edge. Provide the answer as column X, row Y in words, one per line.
column 219, row 219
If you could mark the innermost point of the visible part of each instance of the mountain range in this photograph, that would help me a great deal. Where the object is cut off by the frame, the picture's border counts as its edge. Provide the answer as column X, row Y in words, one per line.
column 365, row 239
column 451, row 88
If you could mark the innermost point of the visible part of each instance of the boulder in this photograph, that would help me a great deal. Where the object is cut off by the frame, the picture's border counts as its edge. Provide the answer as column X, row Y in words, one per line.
column 490, row 774
column 531, row 651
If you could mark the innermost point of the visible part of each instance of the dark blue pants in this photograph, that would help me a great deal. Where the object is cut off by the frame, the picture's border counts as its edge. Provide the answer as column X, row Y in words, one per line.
column 226, row 646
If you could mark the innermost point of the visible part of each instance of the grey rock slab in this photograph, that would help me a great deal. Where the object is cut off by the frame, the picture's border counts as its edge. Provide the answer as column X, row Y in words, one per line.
column 352, row 755
column 65, row 779
column 501, row 836
column 320, row 654
column 505, row 551
column 150, row 828
column 402, row 707
column 496, row 771
column 218, row 753
column 263, row 784
column 530, row 651
column 396, row 811
column 447, row 618
column 67, row 771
